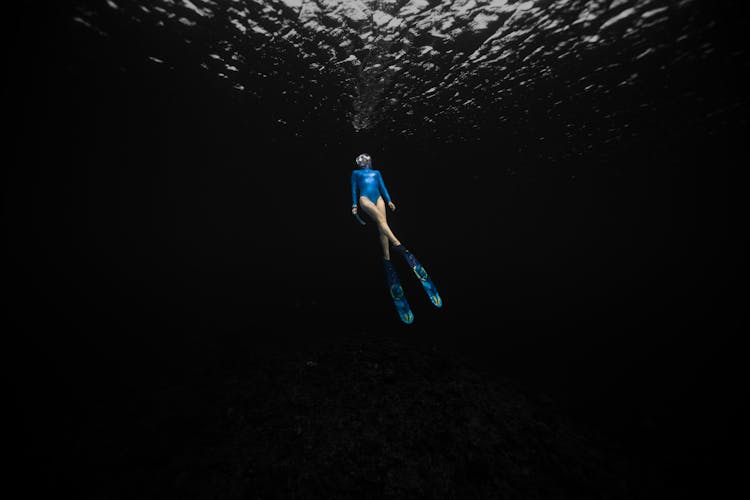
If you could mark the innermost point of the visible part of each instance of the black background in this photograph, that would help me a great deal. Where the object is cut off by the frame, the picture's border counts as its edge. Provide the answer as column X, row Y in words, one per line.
column 156, row 229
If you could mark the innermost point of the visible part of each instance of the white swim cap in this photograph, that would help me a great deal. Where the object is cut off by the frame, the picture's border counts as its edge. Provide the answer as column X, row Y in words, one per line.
column 363, row 160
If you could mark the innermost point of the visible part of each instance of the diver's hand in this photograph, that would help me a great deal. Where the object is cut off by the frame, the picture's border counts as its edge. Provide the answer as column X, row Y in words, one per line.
column 354, row 210
column 392, row 206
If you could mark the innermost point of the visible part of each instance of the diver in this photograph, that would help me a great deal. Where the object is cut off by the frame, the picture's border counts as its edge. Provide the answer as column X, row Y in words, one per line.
column 369, row 193
column 368, row 183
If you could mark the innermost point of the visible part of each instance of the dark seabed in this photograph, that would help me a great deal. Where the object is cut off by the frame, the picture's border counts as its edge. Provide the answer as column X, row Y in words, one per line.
column 192, row 311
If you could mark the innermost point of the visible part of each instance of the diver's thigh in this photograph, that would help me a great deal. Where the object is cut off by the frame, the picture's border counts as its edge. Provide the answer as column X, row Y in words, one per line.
column 369, row 207
column 381, row 206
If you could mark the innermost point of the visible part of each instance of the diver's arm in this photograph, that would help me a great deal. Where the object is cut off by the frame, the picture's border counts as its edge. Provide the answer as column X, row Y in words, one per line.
column 384, row 192
column 354, row 194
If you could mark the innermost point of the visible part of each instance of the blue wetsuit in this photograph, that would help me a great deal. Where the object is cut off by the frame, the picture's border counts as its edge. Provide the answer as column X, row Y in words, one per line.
column 368, row 182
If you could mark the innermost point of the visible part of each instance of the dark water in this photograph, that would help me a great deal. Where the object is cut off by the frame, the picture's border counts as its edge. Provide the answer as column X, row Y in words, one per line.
column 585, row 234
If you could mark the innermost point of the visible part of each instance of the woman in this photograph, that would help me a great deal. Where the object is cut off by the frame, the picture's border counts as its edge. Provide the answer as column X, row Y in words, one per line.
column 369, row 193
column 368, row 183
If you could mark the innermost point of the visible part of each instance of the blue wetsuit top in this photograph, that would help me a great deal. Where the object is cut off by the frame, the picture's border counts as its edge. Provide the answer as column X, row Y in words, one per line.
column 368, row 182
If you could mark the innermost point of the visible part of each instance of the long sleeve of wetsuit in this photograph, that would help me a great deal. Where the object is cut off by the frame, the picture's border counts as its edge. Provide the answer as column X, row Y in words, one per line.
column 354, row 189
column 383, row 190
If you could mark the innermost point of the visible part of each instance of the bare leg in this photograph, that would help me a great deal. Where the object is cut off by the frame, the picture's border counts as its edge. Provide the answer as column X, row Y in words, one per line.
column 377, row 214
